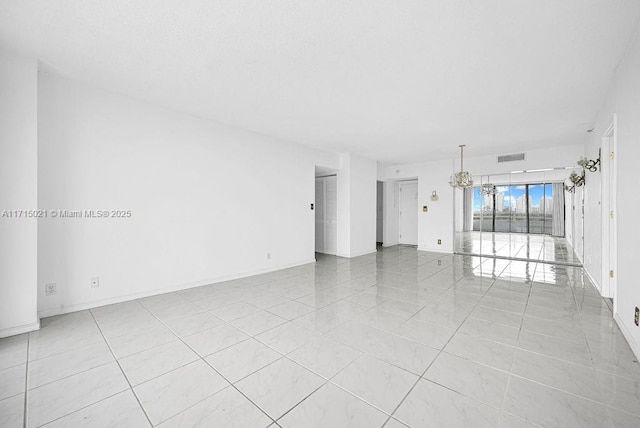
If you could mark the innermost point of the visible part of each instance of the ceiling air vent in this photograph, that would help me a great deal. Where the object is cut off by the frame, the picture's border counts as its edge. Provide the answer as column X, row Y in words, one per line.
column 511, row 158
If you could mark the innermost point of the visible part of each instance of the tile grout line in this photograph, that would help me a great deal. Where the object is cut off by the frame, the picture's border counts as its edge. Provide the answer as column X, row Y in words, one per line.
column 282, row 356
column 591, row 359
column 74, row 348
column 121, row 370
column 520, row 259
column 421, row 377
column 559, row 359
column 71, row 375
column 515, row 348
column 538, row 267
column 81, row 408
column 68, row 376
column 213, row 368
column 564, row 392
column 222, row 322
column 301, row 401
column 330, row 381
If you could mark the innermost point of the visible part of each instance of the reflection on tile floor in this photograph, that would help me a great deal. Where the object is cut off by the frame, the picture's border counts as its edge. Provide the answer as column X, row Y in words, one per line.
column 397, row 338
column 519, row 246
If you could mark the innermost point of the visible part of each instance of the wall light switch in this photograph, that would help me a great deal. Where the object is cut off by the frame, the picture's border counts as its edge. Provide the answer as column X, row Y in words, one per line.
column 439, row 241
column 425, row 208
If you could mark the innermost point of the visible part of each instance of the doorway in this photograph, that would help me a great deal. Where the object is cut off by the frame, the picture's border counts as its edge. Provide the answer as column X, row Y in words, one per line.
column 326, row 210
column 408, row 223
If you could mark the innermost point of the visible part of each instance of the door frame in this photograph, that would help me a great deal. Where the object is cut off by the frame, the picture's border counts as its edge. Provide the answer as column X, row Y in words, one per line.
column 324, row 206
column 400, row 184
column 608, row 165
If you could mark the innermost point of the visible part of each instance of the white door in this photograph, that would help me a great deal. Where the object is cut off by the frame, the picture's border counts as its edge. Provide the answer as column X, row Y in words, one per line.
column 326, row 215
column 578, row 221
column 613, row 232
column 609, row 214
column 319, row 208
column 409, row 213
column 331, row 215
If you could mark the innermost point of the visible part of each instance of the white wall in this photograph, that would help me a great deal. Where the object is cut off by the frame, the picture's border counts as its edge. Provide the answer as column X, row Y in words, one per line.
column 208, row 202
column 458, row 212
column 556, row 157
column 344, row 206
column 18, row 191
column 437, row 222
column 356, row 205
column 622, row 100
column 363, row 205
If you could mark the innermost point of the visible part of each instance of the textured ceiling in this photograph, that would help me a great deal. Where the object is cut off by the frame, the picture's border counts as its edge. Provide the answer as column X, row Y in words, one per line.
column 392, row 80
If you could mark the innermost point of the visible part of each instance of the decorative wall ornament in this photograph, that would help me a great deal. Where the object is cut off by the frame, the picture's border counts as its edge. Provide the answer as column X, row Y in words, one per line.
column 576, row 181
column 590, row 165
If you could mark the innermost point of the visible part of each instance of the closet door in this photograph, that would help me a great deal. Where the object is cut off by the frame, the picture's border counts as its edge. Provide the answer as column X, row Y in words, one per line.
column 320, row 217
column 331, row 215
column 409, row 213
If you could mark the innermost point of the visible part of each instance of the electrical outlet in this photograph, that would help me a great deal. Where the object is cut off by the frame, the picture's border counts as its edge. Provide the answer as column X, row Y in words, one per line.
column 268, row 256
column 95, row 282
column 439, row 241
column 50, row 289
column 637, row 320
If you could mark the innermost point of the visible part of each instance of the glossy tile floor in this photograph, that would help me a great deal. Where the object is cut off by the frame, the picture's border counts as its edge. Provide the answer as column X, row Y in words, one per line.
column 519, row 246
column 398, row 338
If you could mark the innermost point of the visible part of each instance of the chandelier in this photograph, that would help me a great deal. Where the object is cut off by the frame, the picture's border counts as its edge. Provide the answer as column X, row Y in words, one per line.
column 461, row 179
column 489, row 189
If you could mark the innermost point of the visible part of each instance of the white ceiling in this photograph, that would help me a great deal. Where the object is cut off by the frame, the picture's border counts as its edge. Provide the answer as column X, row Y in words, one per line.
column 393, row 80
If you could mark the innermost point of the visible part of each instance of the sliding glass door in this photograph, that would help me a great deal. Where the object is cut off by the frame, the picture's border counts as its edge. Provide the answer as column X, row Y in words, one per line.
column 522, row 214
column 541, row 209
column 517, row 208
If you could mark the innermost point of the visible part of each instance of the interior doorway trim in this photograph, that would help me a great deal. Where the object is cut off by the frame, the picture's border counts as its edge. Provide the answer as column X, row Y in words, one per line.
column 609, row 213
column 326, row 214
column 408, row 213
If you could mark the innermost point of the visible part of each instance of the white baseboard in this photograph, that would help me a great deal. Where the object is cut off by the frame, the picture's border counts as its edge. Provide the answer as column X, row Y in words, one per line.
column 434, row 250
column 65, row 309
column 635, row 346
column 593, row 280
column 363, row 253
column 352, row 255
column 390, row 244
column 12, row 331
